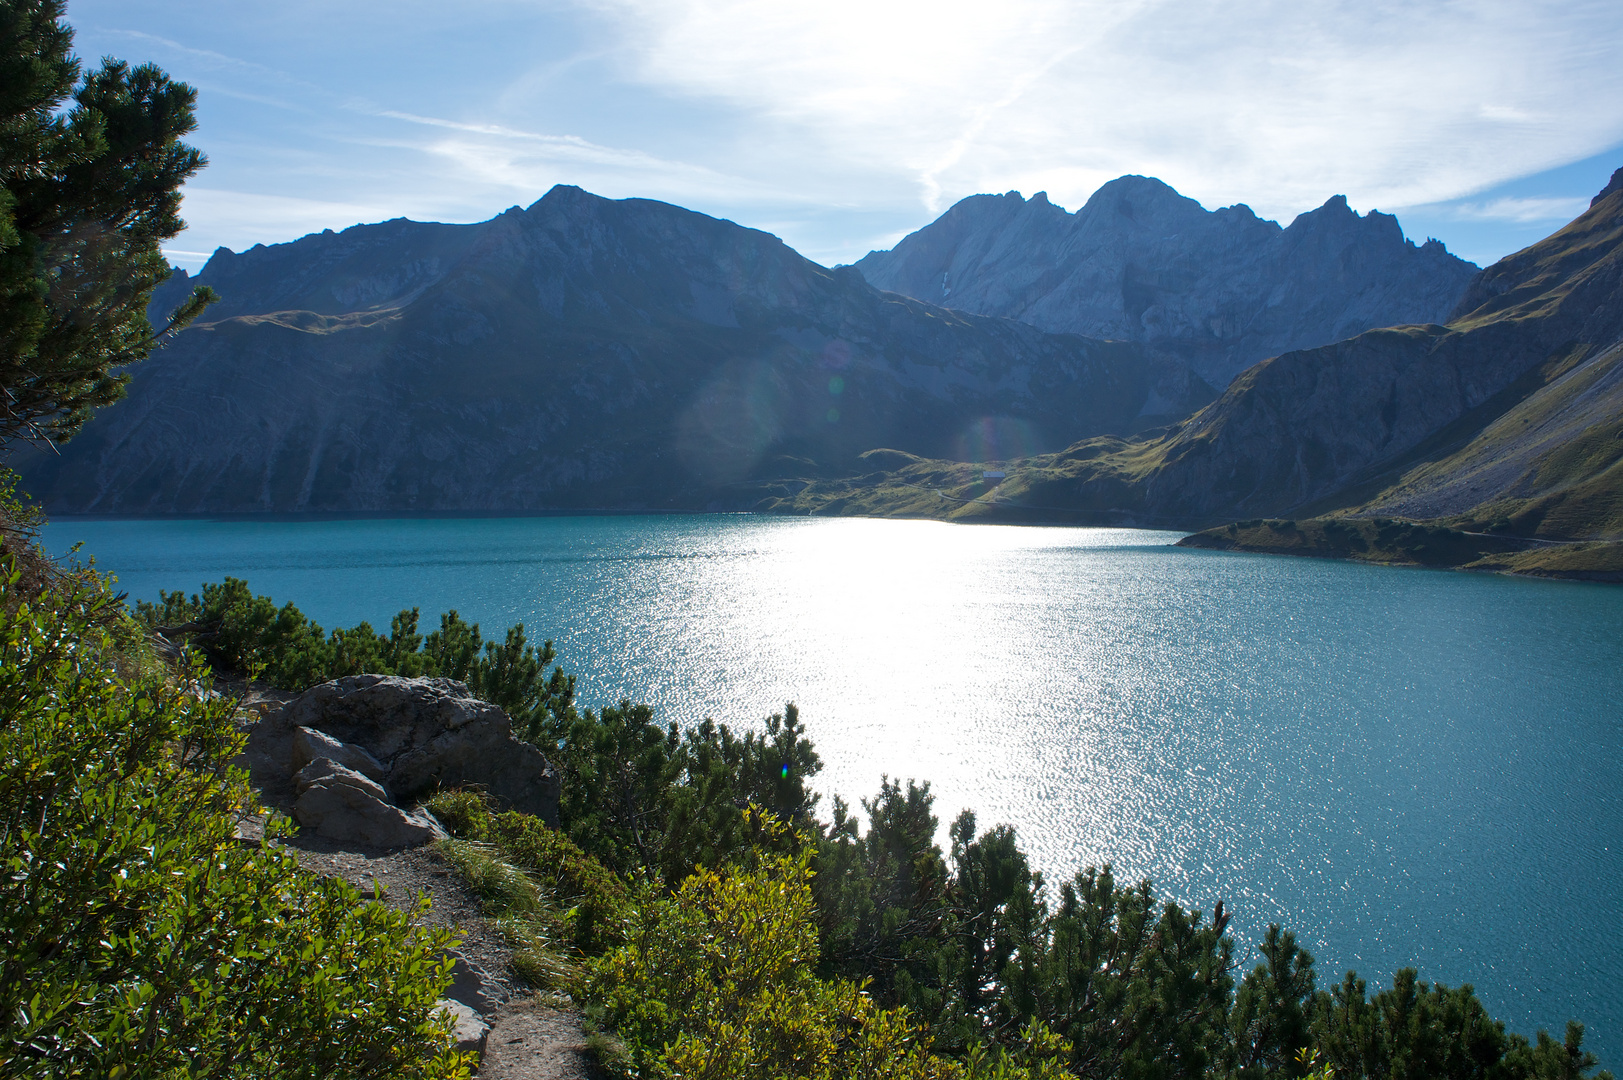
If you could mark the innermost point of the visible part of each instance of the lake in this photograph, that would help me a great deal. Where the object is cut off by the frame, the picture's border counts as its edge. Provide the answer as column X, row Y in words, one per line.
column 1405, row 767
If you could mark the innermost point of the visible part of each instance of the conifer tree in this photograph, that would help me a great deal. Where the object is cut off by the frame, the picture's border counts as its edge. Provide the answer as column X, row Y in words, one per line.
column 90, row 176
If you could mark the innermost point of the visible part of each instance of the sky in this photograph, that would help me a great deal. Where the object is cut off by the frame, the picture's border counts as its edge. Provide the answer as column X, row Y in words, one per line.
column 843, row 125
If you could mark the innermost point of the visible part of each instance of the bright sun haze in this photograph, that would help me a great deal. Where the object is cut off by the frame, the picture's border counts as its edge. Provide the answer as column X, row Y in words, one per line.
column 842, row 126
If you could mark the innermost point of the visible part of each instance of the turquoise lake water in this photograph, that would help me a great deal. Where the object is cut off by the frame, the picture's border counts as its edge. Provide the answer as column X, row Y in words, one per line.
column 1404, row 767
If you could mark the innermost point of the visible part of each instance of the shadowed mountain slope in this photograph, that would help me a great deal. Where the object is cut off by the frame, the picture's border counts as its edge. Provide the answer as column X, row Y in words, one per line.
column 1218, row 289
column 1509, row 418
column 580, row 353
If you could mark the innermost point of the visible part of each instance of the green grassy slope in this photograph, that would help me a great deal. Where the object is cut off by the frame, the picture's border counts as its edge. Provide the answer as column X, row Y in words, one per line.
column 1552, row 465
column 1394, row 542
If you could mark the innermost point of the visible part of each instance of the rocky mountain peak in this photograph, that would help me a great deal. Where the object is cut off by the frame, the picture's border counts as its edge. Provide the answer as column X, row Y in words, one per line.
column 1339, row 220
column 1144, row 200
column 1572, row 280
column 1218, row 290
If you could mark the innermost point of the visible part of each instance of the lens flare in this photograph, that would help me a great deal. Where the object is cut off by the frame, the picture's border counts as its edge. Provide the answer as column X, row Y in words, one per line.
column 995, row 438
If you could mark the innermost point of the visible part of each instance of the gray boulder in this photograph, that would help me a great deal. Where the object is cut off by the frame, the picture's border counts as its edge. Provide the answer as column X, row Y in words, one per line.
column 471, row 986
column 429, row 733
column 468, row 1029
column 341, row 804
column 308, row 744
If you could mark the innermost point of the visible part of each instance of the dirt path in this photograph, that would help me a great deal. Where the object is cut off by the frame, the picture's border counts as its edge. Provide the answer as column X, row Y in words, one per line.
column 529, row 1039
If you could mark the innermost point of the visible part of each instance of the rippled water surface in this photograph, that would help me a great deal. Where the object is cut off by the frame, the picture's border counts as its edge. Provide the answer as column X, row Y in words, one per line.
column 1406, row 767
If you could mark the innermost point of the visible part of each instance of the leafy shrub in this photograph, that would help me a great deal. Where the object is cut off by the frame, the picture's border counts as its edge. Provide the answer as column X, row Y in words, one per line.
column 594, row 898
column 138, row 936
column 718, row 981
column 465, row 814
column 527, row 917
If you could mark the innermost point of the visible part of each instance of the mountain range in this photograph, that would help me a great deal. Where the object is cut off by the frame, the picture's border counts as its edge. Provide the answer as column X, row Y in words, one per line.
column 582, row 352
column 1504, row 423
column 629, row 354
column 1219, row 290
column 587, row 352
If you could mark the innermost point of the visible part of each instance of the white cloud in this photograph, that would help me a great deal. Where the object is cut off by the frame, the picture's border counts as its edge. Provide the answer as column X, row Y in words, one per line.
column 1276, row 102
column 1521, row 211
column 253, row 218
column 838, row 122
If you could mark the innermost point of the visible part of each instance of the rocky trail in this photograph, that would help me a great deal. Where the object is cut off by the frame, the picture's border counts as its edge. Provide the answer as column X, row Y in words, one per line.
column 520, row 1035
column 528, row 1037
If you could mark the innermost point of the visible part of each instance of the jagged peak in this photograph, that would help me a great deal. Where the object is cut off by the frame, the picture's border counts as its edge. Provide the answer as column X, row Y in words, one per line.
column 1616, row 184
column 1009, row 201
column 1337, row 215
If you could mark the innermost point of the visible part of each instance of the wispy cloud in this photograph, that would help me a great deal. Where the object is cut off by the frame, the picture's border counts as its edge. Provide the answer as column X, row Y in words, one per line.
column 1521, row 211
column 1278, row 102
column 218, row 61
column 559, row 147
column 256, row 218
column 530, row 162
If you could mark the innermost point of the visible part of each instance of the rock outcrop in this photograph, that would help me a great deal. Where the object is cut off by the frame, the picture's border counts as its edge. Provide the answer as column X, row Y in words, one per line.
column 1218, row 289
column 341, row 804
column 348, row 757
column 468, row 1029
column 581, row 353
column 428, row 734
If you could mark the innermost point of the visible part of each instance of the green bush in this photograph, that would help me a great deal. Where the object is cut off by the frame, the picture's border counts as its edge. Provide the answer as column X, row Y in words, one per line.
column 718, row 981
column 138, row 936
column 593, row 898
column 590, row 899
column 641, row 797
column 239, row 631
column 465, row 814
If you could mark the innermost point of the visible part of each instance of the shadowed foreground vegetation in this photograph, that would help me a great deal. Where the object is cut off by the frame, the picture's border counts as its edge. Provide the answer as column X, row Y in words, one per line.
column 138, row 936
